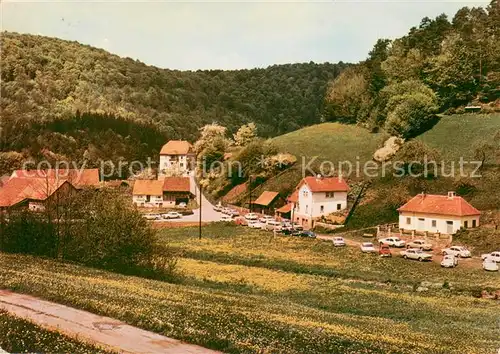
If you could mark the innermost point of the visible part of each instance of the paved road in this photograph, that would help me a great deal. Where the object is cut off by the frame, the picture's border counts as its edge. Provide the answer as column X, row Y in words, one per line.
column 208, row 214
column 103, row 331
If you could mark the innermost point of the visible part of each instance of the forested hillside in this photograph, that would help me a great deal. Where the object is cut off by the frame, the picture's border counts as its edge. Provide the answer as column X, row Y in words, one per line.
column 440, row 66
column 48, row 80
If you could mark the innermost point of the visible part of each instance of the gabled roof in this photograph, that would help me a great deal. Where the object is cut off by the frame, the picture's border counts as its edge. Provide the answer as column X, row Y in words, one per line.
column 16, row 190
column 148, row 187
column 266, row 198
column 77, row 177
column 176, row 184
column 440, row 205
column 325, row 184
column 294, row 197
column 176, row 147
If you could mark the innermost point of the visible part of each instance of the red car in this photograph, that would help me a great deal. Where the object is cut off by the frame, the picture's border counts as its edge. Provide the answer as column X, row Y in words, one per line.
column 384, row 250
column 241, row 221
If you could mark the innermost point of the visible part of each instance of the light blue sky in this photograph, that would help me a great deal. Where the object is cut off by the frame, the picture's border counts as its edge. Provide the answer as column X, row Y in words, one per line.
column 227, row 35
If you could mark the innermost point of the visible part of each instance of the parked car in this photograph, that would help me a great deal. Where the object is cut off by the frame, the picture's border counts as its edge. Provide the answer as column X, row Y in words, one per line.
column 425, row 246
column 241, row 221
column 264, row 219
column 182, row 205
column 273, row 225
column 384, row 250
column 338, row 241
column 251, row 216
column 226, row 218
column 233, row 212
column 218, row 207
column 306, row 233
column 416, row 253
column 449, row 261
column 152, row 216
column 172, row 215
column 225, row 210
column 457, row 251
column 297, row 226
column 495, row 256
column 254, row 224
column 489, row 264
column 392, row 242
column 367, row 247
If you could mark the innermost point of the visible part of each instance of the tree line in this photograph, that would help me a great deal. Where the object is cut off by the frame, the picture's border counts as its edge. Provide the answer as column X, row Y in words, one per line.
column 439, row 66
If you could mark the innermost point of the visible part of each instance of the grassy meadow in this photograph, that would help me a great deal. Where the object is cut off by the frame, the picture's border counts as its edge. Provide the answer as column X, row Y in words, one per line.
column 20, row 336
column 245, row 291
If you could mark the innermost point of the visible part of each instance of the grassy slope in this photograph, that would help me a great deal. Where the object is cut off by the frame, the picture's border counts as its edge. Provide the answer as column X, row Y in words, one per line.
column 20, row 336
column 245, row 292
column 454, row 135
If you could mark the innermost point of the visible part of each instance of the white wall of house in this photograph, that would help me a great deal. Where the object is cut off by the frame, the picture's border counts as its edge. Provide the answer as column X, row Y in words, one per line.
column 178, row 162
column 314, row 205
column 36, row 206
column 436, row 223
column 155, row 201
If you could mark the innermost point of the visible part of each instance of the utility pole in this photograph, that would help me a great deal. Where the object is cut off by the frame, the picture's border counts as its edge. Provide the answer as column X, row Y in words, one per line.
column 201, row 193
column 250, row 196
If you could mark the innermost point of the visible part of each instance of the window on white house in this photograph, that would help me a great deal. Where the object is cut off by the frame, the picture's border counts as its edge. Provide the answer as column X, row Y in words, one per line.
column 434, row 223
column 466, row 224
column 339, row 206
column 408, row 221
column 307, row 208
column 322, row 209
column 474, row 223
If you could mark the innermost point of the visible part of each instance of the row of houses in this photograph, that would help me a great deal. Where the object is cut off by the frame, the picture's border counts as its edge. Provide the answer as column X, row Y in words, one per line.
column 164, row 192
column 316, row 197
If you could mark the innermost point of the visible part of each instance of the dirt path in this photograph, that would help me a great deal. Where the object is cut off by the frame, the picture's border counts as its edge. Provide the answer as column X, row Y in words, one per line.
column 102, row 331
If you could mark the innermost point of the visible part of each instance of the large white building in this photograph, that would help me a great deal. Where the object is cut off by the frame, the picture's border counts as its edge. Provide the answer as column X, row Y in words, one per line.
column 315, row 197
column 162, row 193
column 444, row 214
column 176, row 156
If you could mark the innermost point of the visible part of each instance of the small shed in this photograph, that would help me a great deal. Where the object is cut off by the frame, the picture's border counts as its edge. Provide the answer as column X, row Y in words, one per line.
column 267, row 202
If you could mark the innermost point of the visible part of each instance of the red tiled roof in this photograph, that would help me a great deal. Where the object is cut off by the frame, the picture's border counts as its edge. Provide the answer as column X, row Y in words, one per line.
column 266, row 198
column 439, row 204
column 325, row 184
column 294, row 197
column 78, row 178
column 148, row 187
column 285, row 208
column 176, row 147
column 176, row 184
column 16, row 189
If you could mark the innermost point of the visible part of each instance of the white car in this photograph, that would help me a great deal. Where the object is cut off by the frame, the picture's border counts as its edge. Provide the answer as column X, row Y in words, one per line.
column 265, row 219
column 218, row 207
column 495, row 256
column 172, row 215
column 251, row 216
column 449, row 261
column 367, row 247
column 425, row 246
column 226, row 218
column 182, row 205
column 392, row 241
column 457, row 251
column 490, row 265
column 152, row 216
column 416, row 253
column 254, row 224
column 273, row 225
column 338, row 241
column 233, row 212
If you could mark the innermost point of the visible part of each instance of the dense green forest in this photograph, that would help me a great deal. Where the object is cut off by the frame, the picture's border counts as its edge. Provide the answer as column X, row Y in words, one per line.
column 46, row 81
column 439, row 66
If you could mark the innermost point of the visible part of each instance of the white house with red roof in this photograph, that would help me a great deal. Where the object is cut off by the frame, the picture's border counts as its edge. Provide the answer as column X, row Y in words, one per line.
column 166, row 192
column 318, row 196
column 444, row 214
column 176, row 155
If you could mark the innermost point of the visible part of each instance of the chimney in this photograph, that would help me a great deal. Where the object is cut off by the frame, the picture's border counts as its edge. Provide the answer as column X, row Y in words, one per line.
column 451, row 195
column 422, row 195
column 319, row 177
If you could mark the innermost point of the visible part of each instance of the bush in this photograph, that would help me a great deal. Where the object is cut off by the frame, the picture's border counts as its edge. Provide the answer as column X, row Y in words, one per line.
column 102, row 231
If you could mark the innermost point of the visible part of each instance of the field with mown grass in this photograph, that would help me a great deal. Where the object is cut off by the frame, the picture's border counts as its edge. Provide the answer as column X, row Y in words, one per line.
column 20, row 336
column 245, row 291
column 455, row 135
